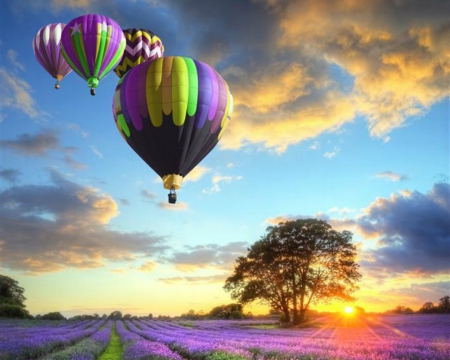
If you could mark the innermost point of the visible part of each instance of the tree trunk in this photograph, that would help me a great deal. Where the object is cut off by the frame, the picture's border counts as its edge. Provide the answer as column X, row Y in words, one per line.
column 299, row 317
column 286, row 316
column 302, row 315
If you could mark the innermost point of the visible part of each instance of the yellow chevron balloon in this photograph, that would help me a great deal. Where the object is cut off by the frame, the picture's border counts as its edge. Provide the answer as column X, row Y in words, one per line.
column 141, row 46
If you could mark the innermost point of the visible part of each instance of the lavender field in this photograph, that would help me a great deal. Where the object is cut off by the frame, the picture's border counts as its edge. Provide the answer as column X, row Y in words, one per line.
column 419, row 337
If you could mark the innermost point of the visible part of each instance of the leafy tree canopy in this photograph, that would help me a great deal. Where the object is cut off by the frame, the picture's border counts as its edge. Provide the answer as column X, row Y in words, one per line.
column 10, row 292
column 230, row 311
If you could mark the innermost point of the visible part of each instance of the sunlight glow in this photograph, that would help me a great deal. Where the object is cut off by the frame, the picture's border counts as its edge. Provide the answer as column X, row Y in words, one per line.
column 349, row 310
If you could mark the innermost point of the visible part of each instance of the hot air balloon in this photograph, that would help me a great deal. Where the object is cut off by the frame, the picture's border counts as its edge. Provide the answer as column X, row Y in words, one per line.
column 172, row 112
column 92, row 45
column 142, row 45
column 46, row 47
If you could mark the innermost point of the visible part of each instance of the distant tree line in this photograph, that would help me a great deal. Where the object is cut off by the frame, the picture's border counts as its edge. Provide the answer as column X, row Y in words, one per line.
column 442, row 307
column 230, row 311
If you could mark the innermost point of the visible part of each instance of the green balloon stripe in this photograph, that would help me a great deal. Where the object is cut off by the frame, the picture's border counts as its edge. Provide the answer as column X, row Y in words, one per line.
column 123, row 125
column 100, row 53
column 193, row 86
column 179, row 90
column 71, row 64
column 115, row 60
column 81, row 54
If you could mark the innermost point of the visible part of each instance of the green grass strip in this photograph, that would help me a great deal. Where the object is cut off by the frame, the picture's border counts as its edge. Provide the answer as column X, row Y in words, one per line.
column 114, row 351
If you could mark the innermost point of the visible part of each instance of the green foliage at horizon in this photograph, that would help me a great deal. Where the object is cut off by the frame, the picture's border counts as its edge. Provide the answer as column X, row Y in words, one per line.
column 13, row 311
column 55, row 315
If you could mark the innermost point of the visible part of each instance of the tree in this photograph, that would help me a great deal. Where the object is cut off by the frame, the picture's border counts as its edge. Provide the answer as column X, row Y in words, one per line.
column 400, row 309
column 56, row 315
column 10, row 292
column 296, row 264
column 444, row 304
column 427, row 308
column 13, row 311
column 115, row 315
column 359, row 311
column 230, row 311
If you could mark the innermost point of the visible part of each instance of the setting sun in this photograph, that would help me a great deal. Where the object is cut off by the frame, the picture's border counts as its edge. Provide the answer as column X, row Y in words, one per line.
column 349, row 310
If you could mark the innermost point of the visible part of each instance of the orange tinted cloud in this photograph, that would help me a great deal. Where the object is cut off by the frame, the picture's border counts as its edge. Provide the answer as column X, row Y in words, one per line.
column 395, row 56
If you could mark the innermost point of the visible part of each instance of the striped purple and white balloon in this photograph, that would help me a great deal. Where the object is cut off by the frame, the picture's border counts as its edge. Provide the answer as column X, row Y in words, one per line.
column 47, row 49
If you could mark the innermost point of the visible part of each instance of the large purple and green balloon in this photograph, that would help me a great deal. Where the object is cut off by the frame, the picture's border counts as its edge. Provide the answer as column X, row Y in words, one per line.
column 142, row 45
column 47, row 49
column 172, row 112
column 92, row 45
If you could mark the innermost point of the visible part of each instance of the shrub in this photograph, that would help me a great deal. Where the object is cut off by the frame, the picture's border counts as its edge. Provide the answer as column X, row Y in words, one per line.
column 56, row 315
column 13, row 311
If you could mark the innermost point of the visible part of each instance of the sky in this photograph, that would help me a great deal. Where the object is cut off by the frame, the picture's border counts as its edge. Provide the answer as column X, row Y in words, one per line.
column 341, row 113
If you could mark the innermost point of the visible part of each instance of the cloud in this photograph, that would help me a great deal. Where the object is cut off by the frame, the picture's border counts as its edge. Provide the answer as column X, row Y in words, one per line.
column 395, row 52
column 10, row 175
column 73, row 164
column 179, row 206
column 197, row 173
column 209, row 255
column 12, row 57
column 314, row 146
column 416, row 294
column 96, row 151
column 48, row 228
column 16, row 92
column 217, row 179
column 41, row 145
column 413, row 231
column 149, row 196
column 125, row 201
column 405, row 234
column 341, row 211
column 33, row 145
column 211, row 279
column 332, row 154
column 149, row 266
column 56, row 6
column 389, row 175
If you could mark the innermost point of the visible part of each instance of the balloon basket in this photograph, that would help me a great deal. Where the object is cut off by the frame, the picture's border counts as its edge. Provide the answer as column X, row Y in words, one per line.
column 172, row 196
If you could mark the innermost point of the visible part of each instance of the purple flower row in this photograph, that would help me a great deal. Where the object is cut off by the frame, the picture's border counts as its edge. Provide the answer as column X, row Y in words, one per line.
column 136, row 347
column 87, row 349
column 185, row 340
column 32, row 343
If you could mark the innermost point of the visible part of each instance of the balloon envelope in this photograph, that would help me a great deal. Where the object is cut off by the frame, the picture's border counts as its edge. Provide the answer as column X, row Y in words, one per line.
column 47, row 49
column 172, row 112
column 142, row 45
column 92, row 45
